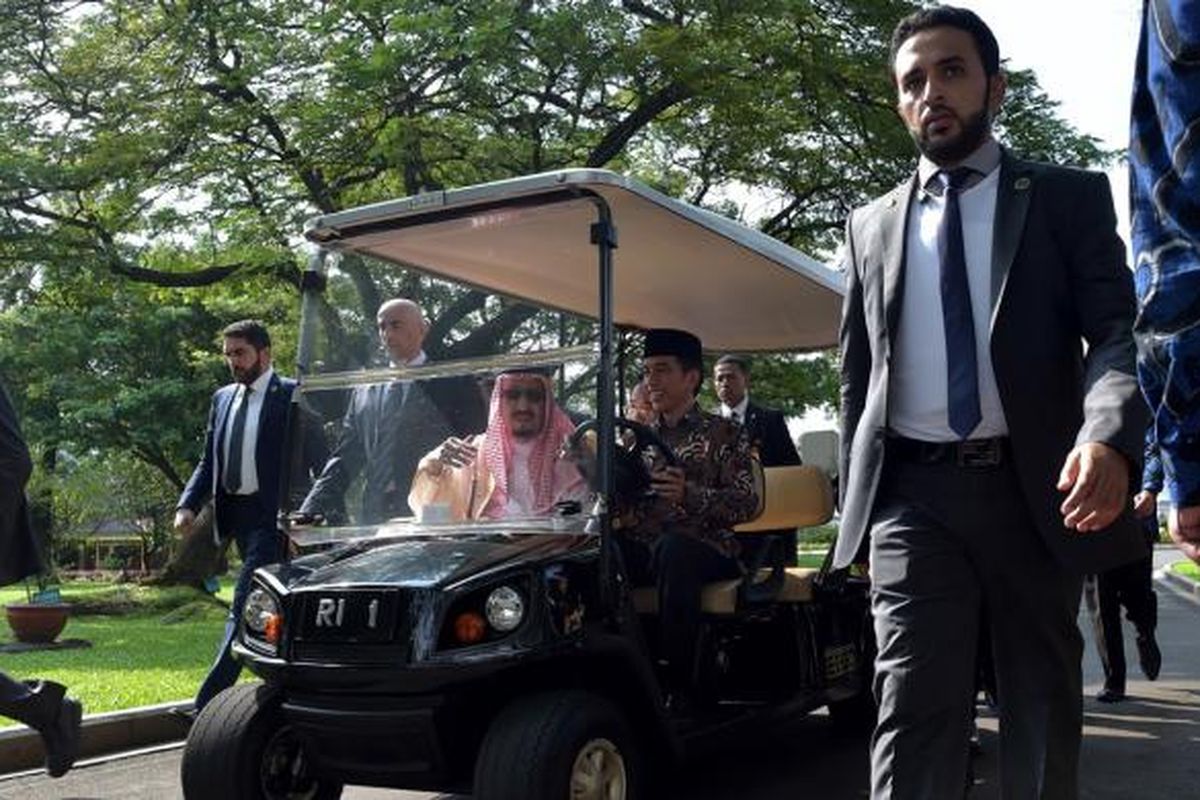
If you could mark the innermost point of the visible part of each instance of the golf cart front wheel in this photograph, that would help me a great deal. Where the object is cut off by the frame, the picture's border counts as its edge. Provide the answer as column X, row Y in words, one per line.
column 240, row 748
column 558, row 745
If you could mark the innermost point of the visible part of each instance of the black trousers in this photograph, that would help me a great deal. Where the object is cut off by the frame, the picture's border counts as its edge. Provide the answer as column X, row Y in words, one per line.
column 14, row 695
column 678, row 566
column 1129, row 585
column 947, row 542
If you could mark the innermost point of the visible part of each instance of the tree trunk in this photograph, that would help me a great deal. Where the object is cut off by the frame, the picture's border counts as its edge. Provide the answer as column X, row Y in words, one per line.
column 197, row 557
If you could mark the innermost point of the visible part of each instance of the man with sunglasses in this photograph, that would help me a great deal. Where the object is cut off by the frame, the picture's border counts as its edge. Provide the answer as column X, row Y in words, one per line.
column 514, row 469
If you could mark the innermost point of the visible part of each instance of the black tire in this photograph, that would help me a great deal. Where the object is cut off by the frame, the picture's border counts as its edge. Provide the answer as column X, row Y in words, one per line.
column 538, row 746
column 240, row 749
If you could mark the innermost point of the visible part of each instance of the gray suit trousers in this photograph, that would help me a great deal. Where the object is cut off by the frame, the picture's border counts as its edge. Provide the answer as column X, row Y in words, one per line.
column 947, row 542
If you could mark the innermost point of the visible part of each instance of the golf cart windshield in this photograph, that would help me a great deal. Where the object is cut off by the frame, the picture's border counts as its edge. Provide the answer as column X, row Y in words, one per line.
column 533, row 289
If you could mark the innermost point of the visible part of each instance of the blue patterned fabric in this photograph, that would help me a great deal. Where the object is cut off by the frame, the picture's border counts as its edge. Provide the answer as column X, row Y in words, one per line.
column 1152, row 469
column 1165, row 199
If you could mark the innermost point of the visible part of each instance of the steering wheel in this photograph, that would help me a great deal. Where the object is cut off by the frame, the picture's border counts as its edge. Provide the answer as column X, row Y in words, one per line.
column 631, row 475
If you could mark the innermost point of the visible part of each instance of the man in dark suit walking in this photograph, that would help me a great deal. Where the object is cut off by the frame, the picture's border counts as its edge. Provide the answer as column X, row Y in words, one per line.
column 389, row 427
column 241, row 470
column 765, row 427
column 42, row 705
column 986, row 454
column 1131, row 586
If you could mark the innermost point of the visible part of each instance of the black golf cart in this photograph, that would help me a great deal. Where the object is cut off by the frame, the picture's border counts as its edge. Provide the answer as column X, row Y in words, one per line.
column 508, row 656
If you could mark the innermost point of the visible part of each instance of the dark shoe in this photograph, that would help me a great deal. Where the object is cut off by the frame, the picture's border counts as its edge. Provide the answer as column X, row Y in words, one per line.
column 1110, row 696
column 60, row 720
column 1149, row 656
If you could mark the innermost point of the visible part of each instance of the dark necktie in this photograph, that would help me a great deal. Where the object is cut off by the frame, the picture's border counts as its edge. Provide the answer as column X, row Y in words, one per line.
column 962, row 377
column 233, row 470
column 381, row 464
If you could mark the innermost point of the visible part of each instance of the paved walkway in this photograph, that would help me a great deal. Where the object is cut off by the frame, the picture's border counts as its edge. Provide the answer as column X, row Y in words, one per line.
column 1143, row 749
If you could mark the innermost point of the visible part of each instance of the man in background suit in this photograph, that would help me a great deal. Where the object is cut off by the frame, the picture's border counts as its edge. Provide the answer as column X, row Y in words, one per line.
column 389, row 427
column 42, row 705
column 986, row 455
column 1132, row 586
column 765, row 427
column 245, row 450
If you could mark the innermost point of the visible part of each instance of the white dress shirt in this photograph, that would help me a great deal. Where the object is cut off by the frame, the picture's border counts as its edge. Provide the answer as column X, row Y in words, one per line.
column 740, row 409
column 917, row 386
column 249, row 484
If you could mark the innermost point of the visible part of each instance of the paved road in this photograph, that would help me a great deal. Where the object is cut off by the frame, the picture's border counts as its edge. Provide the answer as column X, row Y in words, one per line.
column 1144, row 748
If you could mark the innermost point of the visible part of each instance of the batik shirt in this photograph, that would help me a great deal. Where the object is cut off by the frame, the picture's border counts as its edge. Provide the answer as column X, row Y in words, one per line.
column 719, row 473
column 1165, row 198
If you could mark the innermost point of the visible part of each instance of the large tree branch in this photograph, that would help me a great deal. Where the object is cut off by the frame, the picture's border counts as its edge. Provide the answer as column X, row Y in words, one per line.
column 615, row 140
column 483, row 340
column 436, row 337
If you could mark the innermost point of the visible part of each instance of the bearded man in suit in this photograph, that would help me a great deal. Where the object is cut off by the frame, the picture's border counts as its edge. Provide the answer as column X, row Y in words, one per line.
column 991, row 423
column 241, row 471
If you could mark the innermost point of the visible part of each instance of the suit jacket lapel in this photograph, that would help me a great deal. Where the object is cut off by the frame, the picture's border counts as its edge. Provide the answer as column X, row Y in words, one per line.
column 269, row 421
column 893, row 227
column 224, row 401
column 1012, row 203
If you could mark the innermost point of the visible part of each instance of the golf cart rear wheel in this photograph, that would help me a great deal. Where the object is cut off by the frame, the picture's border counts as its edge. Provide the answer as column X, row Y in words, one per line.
column 567, row 745
column 240, row 748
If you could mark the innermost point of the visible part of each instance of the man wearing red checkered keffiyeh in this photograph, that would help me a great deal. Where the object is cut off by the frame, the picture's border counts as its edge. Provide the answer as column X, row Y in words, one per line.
column 511, row 470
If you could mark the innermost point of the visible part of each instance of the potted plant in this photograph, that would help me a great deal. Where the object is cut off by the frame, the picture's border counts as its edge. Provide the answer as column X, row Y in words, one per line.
column 42, row 617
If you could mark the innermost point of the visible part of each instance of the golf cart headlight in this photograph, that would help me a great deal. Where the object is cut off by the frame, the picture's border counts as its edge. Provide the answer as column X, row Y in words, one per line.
column 261, row 615
column 505, row 609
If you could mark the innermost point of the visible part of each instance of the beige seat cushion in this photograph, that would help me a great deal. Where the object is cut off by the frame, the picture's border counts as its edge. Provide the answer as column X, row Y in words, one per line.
column 720, row 597
column 792, row 497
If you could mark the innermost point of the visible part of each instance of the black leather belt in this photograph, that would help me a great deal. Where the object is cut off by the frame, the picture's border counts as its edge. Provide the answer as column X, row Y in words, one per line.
column 971, row 453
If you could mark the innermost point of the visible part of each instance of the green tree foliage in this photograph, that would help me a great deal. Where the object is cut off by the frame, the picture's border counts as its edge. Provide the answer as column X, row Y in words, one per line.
column 158, row 159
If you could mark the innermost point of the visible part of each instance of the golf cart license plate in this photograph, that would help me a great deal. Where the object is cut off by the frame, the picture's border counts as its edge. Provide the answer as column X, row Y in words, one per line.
column 349, row 616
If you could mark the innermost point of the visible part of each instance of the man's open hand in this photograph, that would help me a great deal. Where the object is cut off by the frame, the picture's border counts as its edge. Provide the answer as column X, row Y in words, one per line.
column 668, row 483
column 1096, row 478
column 184, row 519
column 1184, row 526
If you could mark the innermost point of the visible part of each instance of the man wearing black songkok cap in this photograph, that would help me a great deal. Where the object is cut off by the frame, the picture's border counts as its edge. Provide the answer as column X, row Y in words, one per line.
column 684, row 537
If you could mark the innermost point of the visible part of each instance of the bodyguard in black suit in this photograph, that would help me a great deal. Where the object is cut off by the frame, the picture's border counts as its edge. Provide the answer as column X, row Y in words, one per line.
column 991, row 424
column 42, row 705
column 245, row 444
column 389, row 427
column 765, row 427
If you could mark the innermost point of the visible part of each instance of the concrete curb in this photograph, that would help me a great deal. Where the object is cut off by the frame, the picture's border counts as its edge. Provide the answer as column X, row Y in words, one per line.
column 1179, row 583
column 103, row 734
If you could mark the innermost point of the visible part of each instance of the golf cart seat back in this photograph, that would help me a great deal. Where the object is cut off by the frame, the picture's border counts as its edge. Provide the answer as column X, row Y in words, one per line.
column 793, row 497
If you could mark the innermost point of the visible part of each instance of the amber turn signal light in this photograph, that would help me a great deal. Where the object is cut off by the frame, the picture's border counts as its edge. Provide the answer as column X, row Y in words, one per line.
column 272, row 628
column 469, row 627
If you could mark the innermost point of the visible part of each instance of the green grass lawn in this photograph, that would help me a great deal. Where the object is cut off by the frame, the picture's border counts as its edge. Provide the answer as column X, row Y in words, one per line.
column 158, row 653
column 811, row 559
column 1188, row 568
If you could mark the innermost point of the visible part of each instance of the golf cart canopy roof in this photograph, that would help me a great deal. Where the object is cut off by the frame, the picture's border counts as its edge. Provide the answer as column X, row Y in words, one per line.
column 675, row 266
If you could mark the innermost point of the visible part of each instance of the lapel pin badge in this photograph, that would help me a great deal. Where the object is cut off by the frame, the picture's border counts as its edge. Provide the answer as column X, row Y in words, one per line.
column 891, row 202
column 1021, row 184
